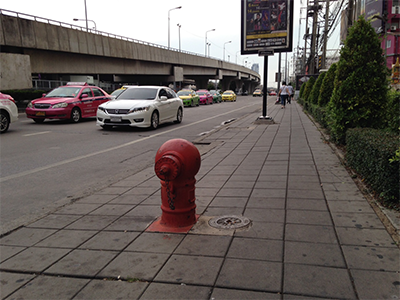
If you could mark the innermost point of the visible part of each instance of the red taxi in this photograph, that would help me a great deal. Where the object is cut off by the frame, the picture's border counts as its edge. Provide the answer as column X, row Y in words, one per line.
column 74, row 101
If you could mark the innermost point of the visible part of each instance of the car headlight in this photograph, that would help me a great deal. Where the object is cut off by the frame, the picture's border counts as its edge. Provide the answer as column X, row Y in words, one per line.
column 60, row 105
column 101, row 108
column 139, row 109
column 30, row 105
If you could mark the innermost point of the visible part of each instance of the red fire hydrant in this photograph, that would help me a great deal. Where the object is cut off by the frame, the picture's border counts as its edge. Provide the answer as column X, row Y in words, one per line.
column 176, row 163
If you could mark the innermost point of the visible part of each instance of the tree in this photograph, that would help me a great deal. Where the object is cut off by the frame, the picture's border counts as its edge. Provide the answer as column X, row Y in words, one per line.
column 308, row 88
column 313, row 98
column 361, row 84
column 327, row 86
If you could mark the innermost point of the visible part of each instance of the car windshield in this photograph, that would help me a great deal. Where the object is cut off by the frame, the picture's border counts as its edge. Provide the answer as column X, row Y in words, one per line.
column 117, row 92
column 201, row 93
column 183, row 93
column 139, row 94
column 228, row 93
column 64, row 92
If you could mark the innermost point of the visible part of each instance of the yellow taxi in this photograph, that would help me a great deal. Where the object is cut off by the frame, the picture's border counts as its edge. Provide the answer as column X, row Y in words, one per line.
column 257, row 93
column 228, row 96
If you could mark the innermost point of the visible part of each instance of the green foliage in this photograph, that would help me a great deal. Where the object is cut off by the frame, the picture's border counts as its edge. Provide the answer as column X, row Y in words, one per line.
column 313, row 98
column 369, row 151
column 302, row 88
column 327, row 86
column 361, row 84
column 308, row 88
column 392, row 115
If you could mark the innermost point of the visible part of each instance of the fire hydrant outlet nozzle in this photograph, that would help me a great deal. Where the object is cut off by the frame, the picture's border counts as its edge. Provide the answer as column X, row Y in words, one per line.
column 168, row 167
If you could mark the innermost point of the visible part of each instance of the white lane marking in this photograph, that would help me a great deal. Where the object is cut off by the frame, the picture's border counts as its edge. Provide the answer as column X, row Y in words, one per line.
column 60, row 163
column 36, row 133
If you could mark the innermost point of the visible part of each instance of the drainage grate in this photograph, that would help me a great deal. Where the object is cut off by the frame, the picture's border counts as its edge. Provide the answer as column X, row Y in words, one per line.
column 229, row 222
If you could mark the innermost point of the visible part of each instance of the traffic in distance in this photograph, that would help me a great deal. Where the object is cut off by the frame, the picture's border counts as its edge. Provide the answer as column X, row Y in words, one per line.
column 130, row 105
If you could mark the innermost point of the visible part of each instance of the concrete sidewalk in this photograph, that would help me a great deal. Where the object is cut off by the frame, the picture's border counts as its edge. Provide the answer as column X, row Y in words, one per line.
column 312, row 235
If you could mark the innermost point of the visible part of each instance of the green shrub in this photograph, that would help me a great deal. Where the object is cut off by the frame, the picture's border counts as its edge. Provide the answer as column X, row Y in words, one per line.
column 313, row 98
column 302, row 88
column 361, row 84
column 368, row 152
column 308, row 88
column 326, row 90
column 392, row 115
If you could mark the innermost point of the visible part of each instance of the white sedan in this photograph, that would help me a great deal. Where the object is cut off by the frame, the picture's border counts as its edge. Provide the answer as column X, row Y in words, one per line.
column 141, row 106
column 8, row 112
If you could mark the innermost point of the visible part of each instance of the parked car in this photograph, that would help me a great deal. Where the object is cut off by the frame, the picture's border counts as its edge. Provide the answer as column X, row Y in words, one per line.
column 272, row 93
column 205, row 97
column 217, row 98
column 189, row 97
column 115, row 93
column 8, row 112
column 257, row 93
column 74, row 101
column 228, row 96
column 141, row 106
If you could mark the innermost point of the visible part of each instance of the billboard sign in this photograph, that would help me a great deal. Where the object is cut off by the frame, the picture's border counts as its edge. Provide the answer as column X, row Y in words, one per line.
column 374, row 13
column 266, row 25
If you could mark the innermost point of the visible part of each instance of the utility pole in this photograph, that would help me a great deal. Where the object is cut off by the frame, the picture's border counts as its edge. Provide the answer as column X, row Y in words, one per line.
column 314, row 37
column 350, row 15
column 305, row 43
column 323, row 63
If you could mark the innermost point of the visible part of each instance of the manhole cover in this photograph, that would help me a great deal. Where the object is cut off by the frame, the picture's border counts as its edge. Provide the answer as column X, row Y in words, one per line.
column 229, row 222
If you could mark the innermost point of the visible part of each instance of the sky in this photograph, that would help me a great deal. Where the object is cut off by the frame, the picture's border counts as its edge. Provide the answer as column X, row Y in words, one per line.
column 148, row 21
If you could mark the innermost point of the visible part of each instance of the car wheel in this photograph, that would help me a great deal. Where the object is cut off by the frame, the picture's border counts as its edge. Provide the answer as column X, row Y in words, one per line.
column 191, row 104
column 154, row 120
column 4, row 121
column 106, row 127
column 179, row 115
column 39, row 121
column 75, row 115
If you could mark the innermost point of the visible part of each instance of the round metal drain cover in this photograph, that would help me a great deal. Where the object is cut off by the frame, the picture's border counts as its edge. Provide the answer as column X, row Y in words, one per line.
column 229, row 222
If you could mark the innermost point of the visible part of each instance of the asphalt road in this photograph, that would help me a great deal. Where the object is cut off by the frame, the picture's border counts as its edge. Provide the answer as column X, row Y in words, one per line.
column 45, row 166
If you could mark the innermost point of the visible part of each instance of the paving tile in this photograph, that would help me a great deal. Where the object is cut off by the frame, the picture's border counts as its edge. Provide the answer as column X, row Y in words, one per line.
column 92, row 222
column 54, row 221
column 265, row 215
column 310, row 233
column 297, row 297
column 66, row 239
column 229, row 202
column 358, row 220
column 26, row 236
column 141, row 191
column 154, row 242
column 112, row 210
column 318, row 281
column 145, row 211
column 364, row 237
column 9, row 282
column 333, row 195
column 233, row 294
column 376, row 285
column 269, row 193
column 258, row 202
column 372, row 258
column 263, row 230
column 8, row 251
column 257, row 249
column 109, row 289
column 34, row 259
column 223, row 211
column 82, row 263
column 271, row 184
column 110, row 240
column 44, row 287
column 189, row 269
column 135, row 223
column 204, row 245
column 306, row 204
column 310, row 217
column 305, row 194
column 175, row 291
column 234, row 192
column 239, row 184
column 114, row 190
column 97, row 199
column 303, row 185
column 77, row 209
column 350, row 206
column 328, row 255
column 250, row 274
column 133, row 265
column 131, row 200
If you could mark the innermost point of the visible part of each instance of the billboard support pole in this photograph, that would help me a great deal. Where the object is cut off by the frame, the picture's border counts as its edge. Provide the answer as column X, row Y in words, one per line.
column 265, row 93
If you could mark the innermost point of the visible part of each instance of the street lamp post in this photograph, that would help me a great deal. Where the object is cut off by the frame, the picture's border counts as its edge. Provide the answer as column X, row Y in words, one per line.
column 224, row 47
column 179, row 7
column 95, row 27
column 179, row 34
column 206, row 40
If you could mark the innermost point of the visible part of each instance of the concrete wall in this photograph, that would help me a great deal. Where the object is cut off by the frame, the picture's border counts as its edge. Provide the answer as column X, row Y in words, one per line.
column 15, row 71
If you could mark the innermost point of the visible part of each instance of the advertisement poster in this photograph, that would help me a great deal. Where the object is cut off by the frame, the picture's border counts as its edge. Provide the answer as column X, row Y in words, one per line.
column 267, row 24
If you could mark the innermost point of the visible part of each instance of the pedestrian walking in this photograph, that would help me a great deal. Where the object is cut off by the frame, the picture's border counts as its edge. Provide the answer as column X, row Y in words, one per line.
column 284, row 94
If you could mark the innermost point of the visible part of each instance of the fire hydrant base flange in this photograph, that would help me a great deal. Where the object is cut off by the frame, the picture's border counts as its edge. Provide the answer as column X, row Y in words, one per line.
column 158, row 226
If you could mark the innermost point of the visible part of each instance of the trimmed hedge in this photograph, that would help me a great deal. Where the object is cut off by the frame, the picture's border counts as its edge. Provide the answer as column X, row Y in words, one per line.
column 22, row 97
column 368, row 152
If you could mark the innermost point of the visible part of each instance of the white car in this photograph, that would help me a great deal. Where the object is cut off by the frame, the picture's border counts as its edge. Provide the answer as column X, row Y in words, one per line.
column 141, row 106
column 8, row 112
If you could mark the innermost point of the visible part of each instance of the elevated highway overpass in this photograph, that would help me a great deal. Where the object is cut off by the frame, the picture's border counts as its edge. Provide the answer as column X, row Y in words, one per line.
column 42, row 49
